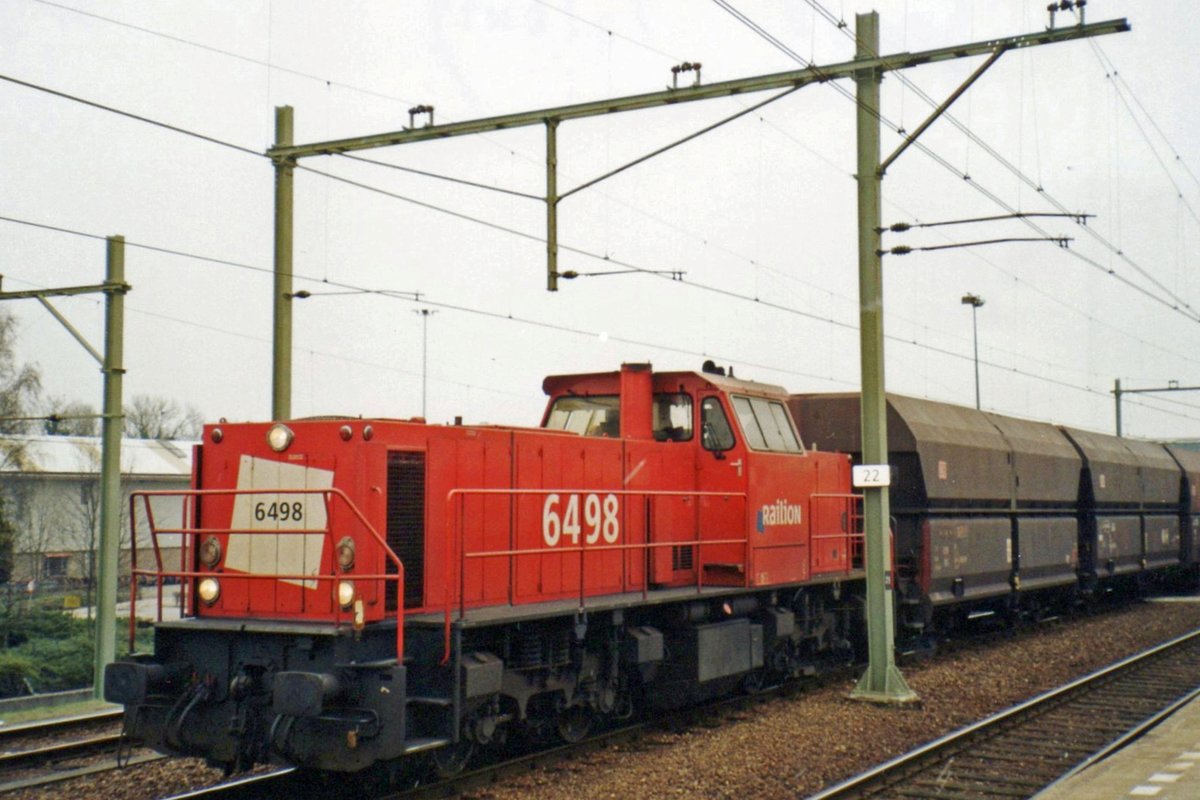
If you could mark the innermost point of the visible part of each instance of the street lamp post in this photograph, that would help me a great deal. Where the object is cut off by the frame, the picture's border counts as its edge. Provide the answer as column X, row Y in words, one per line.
column 974, row 301
column 425, row 313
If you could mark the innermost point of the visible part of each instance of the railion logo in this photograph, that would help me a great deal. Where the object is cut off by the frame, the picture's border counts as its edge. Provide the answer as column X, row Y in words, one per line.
column 781, row 512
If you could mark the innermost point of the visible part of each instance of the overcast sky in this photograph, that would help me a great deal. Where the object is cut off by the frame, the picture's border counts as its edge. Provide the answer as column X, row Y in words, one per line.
column 758, row 215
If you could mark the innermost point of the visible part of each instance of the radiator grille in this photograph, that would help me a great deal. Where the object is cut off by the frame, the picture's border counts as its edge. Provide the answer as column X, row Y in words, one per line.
column 406, row 525
column 681, row 558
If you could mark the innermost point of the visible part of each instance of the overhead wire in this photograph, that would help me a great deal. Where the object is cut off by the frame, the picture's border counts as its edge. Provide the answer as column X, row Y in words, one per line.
column 756, row 263
column 1052, row 297
column 440, row 209
column 214, row 140
column 608, row 31
column 409, row 297
column 1110, row 68
column 1171, row 299
column 130, row 115
column 487, row 223
column 223, row 52
column 253, row 152
column 1110, row 73
column 414, row 297
column 840, row 24
column 390, row 366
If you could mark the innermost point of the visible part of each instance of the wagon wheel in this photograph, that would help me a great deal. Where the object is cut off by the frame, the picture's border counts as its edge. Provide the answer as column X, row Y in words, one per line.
column 452, row 759
column 574, row 723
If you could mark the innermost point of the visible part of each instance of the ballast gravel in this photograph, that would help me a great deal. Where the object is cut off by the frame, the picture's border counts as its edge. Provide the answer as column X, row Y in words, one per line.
column 787, row 747
column 797, row 745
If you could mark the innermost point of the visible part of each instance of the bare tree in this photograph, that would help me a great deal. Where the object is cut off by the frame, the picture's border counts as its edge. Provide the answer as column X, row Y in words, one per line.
column 20, row 384
column 153, row 417
column 8, row 537
column 69, row 418
column 87, row 532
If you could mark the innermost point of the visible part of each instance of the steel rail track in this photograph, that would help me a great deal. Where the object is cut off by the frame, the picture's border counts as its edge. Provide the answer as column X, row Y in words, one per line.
column 62, row 761
column 1021, row 750
column 283, row 782
column 59, row 750
column 10, row 732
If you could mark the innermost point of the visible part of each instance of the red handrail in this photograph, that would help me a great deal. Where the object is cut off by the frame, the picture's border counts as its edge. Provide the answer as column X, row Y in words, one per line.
column 454, row 535
column 190, row 533
column 851, row 535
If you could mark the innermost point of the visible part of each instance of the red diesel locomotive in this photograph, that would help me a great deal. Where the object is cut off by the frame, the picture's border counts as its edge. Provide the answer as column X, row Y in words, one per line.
column 364, row 590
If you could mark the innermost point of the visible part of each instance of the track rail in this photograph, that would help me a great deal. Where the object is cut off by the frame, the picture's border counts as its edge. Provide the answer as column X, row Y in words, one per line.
column 63, row 752
column 1023, row 749
column 37, row 756
column 10, row 732
column 280, row 783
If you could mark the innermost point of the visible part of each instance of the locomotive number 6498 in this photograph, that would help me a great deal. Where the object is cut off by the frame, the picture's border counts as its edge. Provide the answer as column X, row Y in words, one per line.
column 561, row 517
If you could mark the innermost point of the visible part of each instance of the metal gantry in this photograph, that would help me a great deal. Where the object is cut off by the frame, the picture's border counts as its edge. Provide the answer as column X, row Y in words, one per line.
column 882, row 680
column 112, row 365
column 1172, row 386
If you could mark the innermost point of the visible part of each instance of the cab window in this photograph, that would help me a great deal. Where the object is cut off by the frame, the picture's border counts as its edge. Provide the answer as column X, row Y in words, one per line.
column 587, row 416
column 672, row 417
column 766, row 425
column 714, row 426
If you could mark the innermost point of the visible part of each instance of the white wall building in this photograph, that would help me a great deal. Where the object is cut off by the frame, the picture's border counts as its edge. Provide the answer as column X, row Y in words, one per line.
column 51, row 488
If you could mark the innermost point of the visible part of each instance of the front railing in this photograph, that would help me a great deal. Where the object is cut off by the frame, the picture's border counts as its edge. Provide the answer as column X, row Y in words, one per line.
column 191, row 533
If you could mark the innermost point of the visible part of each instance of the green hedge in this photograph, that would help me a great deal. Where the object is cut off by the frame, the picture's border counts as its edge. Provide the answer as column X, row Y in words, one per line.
column 52, row 650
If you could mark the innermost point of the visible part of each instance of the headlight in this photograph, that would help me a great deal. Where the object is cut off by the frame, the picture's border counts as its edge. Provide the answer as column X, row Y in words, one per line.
column 210, row 590
column 345, row 594
column 279, row 437
column 210, row 552
column 345, row 553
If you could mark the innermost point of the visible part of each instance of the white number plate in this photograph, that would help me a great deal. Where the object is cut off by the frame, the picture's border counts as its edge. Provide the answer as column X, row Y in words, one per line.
column 872, row 475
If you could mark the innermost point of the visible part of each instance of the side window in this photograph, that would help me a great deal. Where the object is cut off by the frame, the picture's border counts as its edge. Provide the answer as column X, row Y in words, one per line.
column 714, row 425
column 784, row 425
column 587, row 416
column 672, row 417
column 745, row 414
column 766, row 425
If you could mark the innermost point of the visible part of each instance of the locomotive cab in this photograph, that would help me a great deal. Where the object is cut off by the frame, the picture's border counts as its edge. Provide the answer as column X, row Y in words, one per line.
column 730, row 440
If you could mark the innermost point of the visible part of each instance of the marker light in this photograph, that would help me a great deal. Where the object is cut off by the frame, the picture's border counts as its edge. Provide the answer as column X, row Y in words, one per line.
column 210, row 552
column 345, row 553
column 279, row 437
column 209, row 590
column 345, row 594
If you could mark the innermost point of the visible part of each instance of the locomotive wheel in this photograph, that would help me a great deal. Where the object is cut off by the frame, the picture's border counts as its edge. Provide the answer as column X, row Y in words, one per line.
column 574, row 724
column 452, row 759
